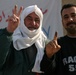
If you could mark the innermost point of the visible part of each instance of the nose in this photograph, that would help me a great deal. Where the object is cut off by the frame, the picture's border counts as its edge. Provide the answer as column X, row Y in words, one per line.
column 70, row 19
column 33, row 22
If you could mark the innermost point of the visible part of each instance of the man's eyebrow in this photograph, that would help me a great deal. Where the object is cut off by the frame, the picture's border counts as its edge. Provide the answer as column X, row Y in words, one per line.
column 73, row 13
column 28, row 16
column 65, row 15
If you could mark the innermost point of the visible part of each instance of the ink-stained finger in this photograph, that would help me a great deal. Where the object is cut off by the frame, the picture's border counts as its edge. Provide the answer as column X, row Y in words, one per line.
column 55, row 36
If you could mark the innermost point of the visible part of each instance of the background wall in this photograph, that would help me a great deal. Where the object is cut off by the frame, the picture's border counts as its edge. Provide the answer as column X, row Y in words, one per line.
column 50, row 10
column 65, row 2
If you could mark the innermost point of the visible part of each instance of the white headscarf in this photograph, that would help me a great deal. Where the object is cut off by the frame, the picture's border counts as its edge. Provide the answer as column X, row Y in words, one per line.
column 24, row 38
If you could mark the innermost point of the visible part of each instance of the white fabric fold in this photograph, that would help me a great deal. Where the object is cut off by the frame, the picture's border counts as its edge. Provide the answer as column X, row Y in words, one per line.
column 24, row 38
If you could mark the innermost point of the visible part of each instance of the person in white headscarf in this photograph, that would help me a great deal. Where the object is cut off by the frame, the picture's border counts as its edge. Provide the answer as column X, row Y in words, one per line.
column 22, row 54
column 27, row 35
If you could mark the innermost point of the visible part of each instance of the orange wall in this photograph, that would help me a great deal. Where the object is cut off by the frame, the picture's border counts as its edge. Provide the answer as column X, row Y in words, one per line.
column 68, row 1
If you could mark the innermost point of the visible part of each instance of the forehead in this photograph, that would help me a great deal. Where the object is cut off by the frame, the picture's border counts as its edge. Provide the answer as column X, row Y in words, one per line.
column 69, row 10
column 33, row 14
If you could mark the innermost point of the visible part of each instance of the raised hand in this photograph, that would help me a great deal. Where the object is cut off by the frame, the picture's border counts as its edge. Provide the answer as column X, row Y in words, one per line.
column 14, row 20
column 52, row 47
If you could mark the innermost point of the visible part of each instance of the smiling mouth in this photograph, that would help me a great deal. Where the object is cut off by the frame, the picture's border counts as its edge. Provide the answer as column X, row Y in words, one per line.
column 31, row 28
column 71, row 23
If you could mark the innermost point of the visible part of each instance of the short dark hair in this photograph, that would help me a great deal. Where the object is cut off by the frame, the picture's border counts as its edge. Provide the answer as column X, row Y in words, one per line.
column 67, row 6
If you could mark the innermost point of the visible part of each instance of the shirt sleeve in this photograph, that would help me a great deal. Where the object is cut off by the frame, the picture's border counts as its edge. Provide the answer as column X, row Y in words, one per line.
column 5, row 41
column 47, row 64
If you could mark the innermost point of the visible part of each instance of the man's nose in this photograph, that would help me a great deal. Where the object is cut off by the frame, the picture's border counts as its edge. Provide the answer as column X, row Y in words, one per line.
column 33, row 22
column 70, row 19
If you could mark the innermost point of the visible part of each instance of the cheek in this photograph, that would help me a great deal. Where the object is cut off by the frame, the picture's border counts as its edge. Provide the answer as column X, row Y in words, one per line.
column 63, row 22
column 37, row 25
column 26, row 23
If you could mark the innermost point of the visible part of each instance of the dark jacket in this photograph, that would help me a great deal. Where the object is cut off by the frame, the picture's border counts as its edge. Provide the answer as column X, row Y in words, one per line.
column 64, row 61
column 13, row 62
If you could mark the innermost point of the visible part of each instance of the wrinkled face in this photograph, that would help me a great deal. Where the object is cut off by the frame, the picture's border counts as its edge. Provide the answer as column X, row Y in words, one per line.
column 69, row 20
column 32, row 21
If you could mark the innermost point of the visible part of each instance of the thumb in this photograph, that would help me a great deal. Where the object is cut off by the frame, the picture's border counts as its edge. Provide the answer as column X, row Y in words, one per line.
column 59, row 46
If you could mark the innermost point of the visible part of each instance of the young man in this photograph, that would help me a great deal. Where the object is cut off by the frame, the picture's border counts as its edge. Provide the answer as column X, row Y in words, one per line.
column 62, row 61
column 22, row 45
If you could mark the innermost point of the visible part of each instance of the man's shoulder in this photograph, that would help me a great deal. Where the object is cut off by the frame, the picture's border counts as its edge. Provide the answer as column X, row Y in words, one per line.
column 4, row 31
column 62, row 37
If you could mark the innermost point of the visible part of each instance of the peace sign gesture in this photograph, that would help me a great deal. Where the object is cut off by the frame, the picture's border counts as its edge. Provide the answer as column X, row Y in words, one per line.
column 14, row 20
column 52, row 47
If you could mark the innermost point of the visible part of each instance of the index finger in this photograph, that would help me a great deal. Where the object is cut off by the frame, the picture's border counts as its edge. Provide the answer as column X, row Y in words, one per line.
column 55, row 36
column 15, row 9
